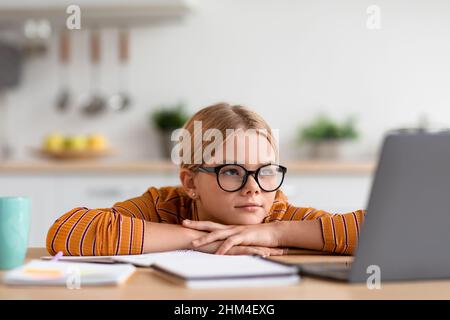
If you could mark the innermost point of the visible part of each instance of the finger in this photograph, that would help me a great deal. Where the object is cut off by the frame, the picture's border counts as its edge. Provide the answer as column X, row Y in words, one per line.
column 256, row 251
column 204, row 225
column 214, row 236
column 229, row 243
column 266, row 252
column 245, row 250
column 276, row 251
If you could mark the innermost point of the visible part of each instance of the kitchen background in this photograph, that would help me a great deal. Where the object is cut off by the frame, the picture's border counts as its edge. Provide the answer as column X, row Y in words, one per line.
column 288, row 60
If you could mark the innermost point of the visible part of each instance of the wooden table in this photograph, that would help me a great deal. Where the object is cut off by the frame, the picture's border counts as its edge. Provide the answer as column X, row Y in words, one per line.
column 144, row 284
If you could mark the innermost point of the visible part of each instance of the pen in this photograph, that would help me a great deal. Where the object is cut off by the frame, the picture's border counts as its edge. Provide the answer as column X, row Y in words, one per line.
column 57, row 256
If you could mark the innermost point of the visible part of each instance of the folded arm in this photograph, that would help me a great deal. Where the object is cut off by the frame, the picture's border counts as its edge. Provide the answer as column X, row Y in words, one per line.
column 317, row 229
column 133, row 226
column 306, row 228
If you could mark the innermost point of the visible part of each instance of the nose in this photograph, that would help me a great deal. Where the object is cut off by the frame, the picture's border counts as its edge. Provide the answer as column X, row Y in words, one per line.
column 251, row 186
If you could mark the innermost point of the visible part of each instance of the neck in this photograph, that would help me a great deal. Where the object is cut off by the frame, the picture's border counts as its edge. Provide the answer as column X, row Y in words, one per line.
column 201, row 214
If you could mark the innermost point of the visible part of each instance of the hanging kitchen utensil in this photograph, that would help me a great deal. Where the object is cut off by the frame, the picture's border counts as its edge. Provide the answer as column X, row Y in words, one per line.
column 11, row 61
column 121, row 100
column 96, row 104
column 64, row 97
column 5, row 147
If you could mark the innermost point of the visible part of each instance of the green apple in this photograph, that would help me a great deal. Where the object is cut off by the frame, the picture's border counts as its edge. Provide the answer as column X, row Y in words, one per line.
column 76, row 143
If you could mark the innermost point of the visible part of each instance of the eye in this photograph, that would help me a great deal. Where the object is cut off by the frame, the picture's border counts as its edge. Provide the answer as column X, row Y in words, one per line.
column 268, row 171
column 230, row 172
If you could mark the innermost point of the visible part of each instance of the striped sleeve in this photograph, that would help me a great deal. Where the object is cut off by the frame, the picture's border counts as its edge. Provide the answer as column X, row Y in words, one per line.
column 108, row 231
column 340, row 230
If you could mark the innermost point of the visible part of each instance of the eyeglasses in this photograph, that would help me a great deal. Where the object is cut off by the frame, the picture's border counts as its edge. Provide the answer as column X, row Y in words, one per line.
column 233, row 177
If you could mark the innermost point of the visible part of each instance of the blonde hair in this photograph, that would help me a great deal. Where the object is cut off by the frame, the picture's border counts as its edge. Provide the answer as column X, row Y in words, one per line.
column 223, row 116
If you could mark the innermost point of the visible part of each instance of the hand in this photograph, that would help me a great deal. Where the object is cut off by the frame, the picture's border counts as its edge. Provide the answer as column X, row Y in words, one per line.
column 259, row 235
column 242, row 250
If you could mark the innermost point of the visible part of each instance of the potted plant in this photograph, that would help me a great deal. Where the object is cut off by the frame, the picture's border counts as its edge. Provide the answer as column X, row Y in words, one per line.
column 325, row 135
column 166, row 119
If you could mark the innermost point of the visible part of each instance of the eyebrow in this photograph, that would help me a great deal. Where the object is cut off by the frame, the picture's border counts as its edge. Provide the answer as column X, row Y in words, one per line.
column 243, row 164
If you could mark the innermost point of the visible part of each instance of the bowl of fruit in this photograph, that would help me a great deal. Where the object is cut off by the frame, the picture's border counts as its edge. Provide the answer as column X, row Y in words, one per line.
column 72, row 147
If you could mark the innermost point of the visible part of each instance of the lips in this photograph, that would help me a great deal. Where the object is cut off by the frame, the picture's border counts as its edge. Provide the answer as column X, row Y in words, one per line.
column 249, row 205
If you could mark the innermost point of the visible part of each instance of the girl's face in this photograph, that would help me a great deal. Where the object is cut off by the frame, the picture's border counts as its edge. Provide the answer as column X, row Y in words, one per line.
column 250, row 204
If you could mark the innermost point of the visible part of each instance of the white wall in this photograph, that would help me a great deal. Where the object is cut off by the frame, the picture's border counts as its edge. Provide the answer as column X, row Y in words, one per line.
column 286, row 59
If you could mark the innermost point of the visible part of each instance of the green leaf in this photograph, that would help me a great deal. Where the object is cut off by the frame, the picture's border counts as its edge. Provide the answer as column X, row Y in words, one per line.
column 323, row 128
column 169, row 117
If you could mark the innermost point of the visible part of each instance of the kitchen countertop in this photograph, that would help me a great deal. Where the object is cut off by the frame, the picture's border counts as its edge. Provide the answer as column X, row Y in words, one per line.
column 161, row 166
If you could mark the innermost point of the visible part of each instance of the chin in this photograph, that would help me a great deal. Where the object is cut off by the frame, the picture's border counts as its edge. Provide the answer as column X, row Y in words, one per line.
column 248, row 219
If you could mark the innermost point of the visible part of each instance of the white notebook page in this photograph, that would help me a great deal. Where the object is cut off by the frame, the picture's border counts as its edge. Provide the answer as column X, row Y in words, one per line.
column 211, row 265
column 140, row 260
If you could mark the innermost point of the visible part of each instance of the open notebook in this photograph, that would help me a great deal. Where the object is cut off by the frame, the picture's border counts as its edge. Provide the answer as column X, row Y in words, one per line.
column 139, row 260
column 203, row 270
column 38, row 272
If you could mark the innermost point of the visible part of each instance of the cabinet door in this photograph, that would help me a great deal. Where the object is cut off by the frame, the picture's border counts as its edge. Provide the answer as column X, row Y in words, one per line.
column 41, row 191
column 333, row 193
column 102, row 191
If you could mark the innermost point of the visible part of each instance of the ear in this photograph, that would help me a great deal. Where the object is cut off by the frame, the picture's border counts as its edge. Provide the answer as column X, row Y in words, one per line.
column 187, row 181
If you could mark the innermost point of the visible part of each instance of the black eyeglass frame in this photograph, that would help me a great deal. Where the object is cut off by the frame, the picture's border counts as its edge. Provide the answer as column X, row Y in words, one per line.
column 254, row 173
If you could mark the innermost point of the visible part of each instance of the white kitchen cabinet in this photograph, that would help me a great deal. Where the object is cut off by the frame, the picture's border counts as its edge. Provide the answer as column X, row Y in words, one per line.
column 100, row 191
column 336, row 193
column 41, row 191
column 53, row 194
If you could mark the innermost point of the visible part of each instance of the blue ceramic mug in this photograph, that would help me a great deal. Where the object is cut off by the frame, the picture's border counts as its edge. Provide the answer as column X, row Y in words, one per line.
column 14, row 228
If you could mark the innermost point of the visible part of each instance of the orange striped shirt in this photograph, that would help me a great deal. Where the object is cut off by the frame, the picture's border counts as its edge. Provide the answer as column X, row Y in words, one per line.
column 120, row 230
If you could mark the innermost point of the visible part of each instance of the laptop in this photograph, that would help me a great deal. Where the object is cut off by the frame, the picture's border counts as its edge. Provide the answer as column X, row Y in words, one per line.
column 406, row 233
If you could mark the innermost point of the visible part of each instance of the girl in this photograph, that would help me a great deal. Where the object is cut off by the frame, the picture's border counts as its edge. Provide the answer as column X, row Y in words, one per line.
column 227, row 203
